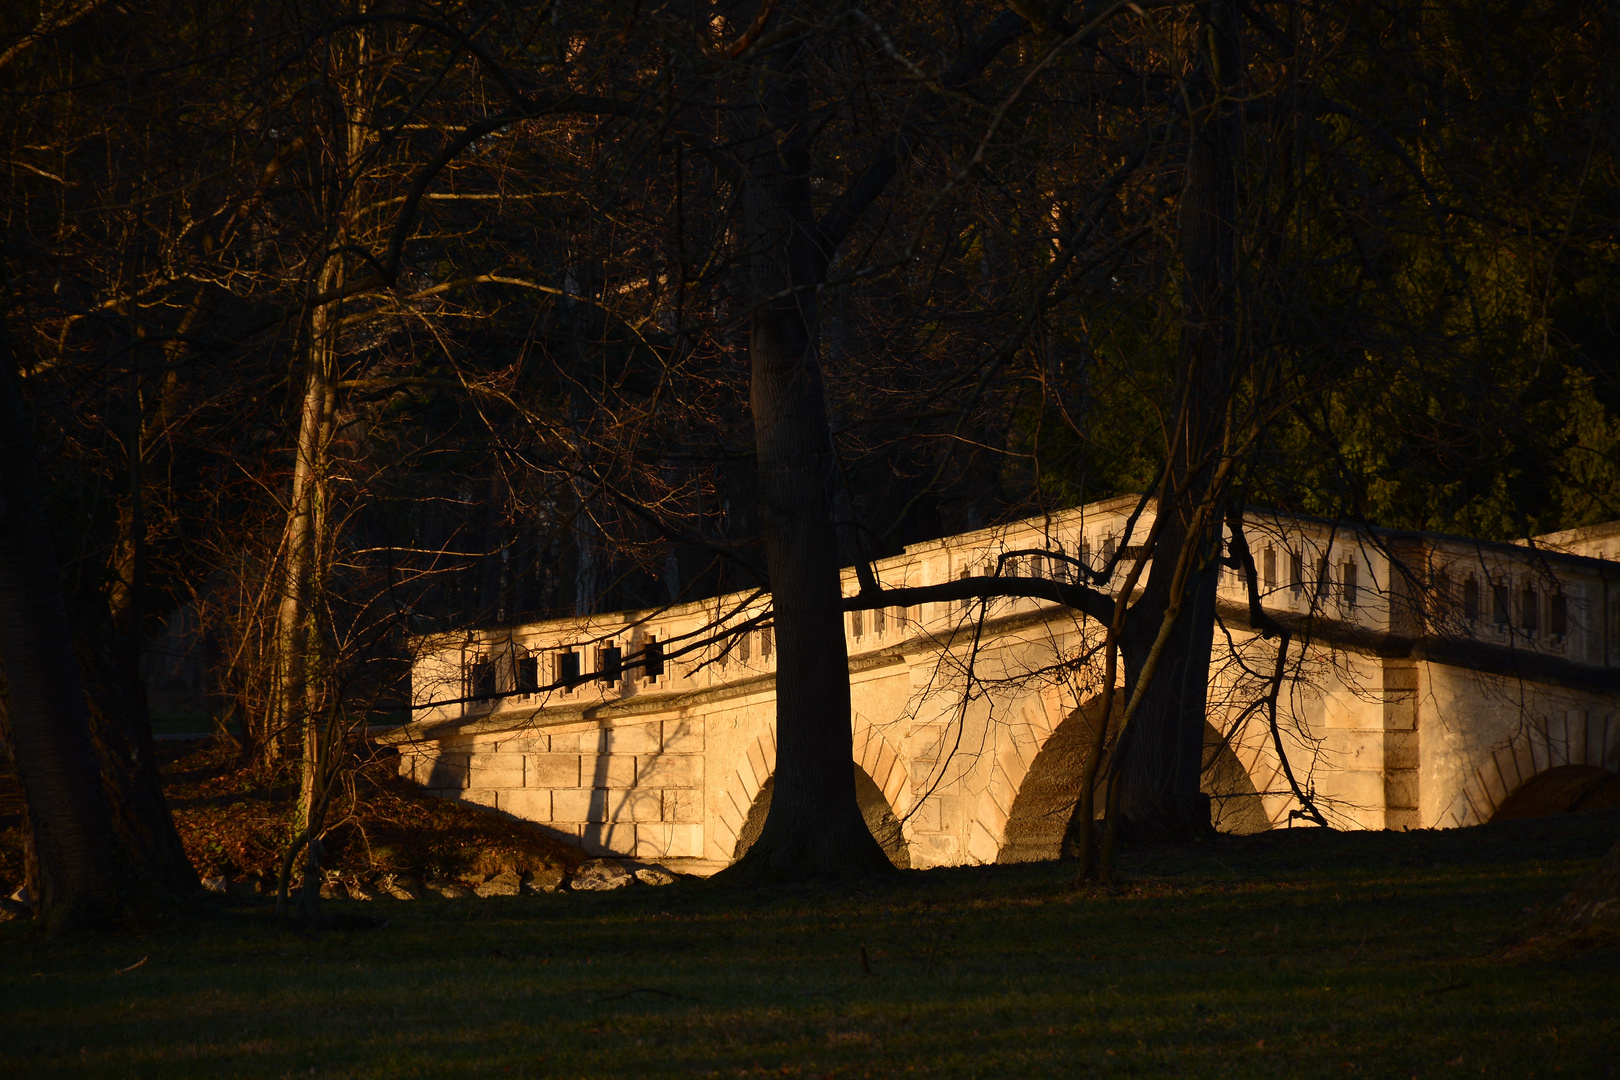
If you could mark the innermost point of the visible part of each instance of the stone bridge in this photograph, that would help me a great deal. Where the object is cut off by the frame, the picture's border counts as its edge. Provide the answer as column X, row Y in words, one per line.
column 1430, row 679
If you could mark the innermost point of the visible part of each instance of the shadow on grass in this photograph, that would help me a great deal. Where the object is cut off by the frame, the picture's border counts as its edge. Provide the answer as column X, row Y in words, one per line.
column 1302, row 954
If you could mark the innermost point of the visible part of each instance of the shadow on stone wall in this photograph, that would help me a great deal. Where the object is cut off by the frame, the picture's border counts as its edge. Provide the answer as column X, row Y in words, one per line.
column 1040, row 812
column 1561, row 790
column 880, row 819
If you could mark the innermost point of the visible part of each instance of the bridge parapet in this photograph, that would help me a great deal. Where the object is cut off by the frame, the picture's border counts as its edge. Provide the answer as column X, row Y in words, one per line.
column 1433, row 592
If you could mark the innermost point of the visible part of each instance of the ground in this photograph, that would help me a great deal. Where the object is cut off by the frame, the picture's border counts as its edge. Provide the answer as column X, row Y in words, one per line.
column 1294, row 953
column 234, row 822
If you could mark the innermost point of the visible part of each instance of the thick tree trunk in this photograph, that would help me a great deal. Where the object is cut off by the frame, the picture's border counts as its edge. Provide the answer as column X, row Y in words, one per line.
column 120, row 723
column 121, row 730
column 84, row 877
column 814, row 828
column 1162, row 751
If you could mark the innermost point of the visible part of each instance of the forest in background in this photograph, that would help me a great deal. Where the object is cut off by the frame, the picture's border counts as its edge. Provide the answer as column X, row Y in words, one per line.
column 327, row 323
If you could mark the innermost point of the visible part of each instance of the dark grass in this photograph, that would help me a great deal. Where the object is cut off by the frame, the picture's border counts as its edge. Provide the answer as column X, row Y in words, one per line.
column 1291, row 954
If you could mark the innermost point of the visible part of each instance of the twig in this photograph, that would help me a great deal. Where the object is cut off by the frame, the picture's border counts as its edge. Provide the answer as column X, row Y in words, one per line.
column 132, row 967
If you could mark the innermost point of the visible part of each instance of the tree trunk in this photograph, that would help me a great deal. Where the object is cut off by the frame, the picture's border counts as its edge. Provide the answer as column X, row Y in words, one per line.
column 120, row 723
column 84, row 878
column 287, row 707
column 1162, row 751
column 300, row 633
column 814, row 828
column 121, row 730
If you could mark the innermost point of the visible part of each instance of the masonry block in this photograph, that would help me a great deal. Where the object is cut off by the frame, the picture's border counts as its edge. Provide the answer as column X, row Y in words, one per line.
column 1401, row 817
column 552, row 771
column 1347, row 710
column 531, row 744
column 1508, row 765
column 1400, row 710
column 927, row 741
column 482, row 796
column 631, row 739
column 683, row 736
column 1540, row 758
column 1566, row 737
column 899, row 780
column 670, row 771
column 495, row 770
column 885, row 762
column 571, row 742
column 607, row 770
column 937, row 849
column 669, row 841
column 684, row 806
column 982, row 847
column 1597, row 731
column 861, row 742
column 720, row 840
column 1495, row 785
column 626, row 804
column 756, row 761
column 1400, row 750
column 1025, row 746
column 1359, row 788
column 528, row 804
column 566, row 831
column 730, row 813
column 748, row 785
column 1458, row 814
column 1000, row 793
column 1011, row 768
column 1352, row 749
column 609, row 839
column 571, row 804
column 1401, row 790
column 442, row 770
column 928, row 818
column 1400, row 676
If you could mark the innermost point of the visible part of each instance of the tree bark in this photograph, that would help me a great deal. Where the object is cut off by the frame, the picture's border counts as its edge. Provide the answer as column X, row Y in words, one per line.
column 121, row 730
column 1162, row 752
column 298, row 713
column 814, row 828
column 84, row 877
column 120, row 723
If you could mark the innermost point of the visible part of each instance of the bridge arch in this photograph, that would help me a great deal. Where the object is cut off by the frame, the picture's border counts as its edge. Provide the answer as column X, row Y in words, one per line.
column 1560, row 790
column 1019, row 741
column 881, row 789
column 1539, row 767
column 1040, row 789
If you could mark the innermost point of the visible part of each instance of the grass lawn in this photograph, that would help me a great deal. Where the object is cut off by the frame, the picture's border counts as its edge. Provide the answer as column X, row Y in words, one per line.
column 1289, row 954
